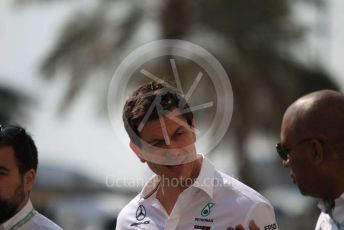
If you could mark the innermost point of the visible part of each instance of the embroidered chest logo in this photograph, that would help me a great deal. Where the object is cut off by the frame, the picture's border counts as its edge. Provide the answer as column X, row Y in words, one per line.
column 140, row 213
column 207, row 209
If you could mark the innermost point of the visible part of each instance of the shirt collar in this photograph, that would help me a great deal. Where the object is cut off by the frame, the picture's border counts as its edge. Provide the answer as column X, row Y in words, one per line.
column 338, row 209
column 204, row 181
column 150, row 187
column 18, row 216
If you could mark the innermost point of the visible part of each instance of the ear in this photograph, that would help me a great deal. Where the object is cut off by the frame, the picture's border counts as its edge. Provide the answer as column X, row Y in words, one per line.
column 193, row 123
column 29, row 180
column 193, row 129
column 317, row 151
column 137, row 151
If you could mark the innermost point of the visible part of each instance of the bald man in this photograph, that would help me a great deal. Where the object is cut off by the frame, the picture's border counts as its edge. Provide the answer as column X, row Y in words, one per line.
column 312, row 147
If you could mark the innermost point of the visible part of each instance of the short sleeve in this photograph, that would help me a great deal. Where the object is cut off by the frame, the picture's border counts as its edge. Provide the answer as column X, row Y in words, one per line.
column 264, row 216
column 121, row 221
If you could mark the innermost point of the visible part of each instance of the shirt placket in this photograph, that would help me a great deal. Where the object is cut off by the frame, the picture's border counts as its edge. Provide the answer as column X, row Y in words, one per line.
column 172, row 220
column 182, row 202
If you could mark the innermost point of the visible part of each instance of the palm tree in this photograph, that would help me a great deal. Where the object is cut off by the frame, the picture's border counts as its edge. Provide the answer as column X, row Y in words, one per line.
column 258, row 37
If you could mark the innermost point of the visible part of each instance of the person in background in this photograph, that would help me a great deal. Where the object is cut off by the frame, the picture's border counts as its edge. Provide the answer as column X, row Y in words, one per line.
column 18, row 166
column 186, row 192
column 312, row 148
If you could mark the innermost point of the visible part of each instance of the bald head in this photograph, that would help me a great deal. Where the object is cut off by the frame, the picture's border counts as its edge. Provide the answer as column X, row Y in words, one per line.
column 319, row 114
column 313, row 132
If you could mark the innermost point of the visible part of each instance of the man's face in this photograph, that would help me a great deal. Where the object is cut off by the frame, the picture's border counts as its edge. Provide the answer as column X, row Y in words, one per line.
column 168, row 146
column 302, row 171
column 12, row 192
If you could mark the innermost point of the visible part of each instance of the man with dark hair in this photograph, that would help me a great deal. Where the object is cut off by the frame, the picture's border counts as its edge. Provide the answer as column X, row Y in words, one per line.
column 187, row 191
column 18, row 166
column 312, row 147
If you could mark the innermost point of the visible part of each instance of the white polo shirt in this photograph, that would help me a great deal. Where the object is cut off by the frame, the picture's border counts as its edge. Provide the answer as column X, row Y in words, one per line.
column 331, row 219
column 214, row 201
column 29, row 219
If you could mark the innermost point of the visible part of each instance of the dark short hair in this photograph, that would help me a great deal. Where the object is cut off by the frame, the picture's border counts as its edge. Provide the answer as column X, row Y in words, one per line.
column 24, row 147
column 138, row 104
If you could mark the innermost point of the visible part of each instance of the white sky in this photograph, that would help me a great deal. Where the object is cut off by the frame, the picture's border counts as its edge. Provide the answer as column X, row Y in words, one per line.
column 81, row 139
column 337, row 45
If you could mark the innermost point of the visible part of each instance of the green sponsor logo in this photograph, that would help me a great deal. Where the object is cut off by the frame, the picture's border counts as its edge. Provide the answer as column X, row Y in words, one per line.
column 207, row 209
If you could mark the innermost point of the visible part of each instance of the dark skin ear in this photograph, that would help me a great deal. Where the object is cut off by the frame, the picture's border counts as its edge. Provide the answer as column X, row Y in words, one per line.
column 136, row 149
column 317, row 151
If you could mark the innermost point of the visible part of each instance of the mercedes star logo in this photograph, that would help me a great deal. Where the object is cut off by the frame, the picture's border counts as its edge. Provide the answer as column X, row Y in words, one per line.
column 140, row 213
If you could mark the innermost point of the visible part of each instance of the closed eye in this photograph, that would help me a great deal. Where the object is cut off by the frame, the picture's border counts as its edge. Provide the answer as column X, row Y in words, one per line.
column 3, row 171
column 178, row 132
column 158, row 143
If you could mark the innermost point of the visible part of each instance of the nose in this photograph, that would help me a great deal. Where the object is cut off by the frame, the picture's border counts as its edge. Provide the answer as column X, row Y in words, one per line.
column 286, row 163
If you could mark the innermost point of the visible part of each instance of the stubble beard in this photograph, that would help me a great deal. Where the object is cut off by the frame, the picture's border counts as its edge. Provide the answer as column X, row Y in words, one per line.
column 8, row 208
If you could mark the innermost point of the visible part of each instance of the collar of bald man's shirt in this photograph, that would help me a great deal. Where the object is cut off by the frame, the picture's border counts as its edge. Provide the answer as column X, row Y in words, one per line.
column 335, row 209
